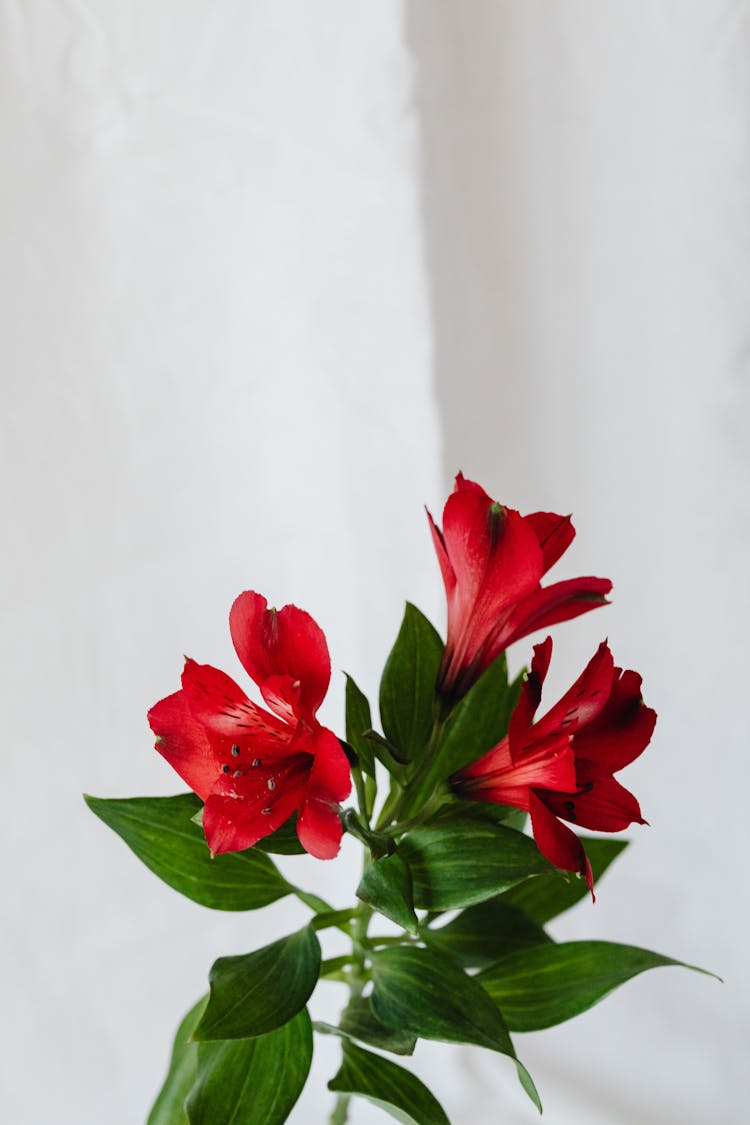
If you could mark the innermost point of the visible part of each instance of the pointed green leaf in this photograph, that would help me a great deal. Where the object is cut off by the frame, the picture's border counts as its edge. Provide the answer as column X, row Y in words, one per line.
column 479, row 721
column 394, row 760
column 358, row 1021
column 386, row 886
column 483, row 934
column 359, row 720
column 258, row 992
column 546, row 985
column 550, row 895
column 426, row 994
column 476, row 724
column 169, row 1107
column 252, row 1081
column 161, row 832
column 407, row 689
column 387, row 1085
column 467, row 860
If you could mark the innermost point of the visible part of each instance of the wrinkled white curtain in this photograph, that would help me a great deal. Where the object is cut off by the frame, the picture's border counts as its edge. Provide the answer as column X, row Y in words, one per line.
column 260, row 261
column 586, row 188
column 215, row 377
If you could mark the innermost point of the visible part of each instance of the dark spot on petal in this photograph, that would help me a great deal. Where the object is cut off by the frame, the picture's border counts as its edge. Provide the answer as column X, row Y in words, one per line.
column 235, row 751
column 271, row 783
column 238, row 773
column 570, row 810
column 256, row 761
column 225, row 768
column 265, row 812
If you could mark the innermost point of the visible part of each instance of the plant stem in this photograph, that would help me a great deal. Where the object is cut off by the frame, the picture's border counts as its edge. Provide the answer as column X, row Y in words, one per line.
column 357, row 978
column 340, row 1113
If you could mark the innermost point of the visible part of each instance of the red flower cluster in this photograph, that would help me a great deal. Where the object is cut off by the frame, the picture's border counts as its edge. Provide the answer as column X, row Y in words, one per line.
column 492, row 560
column 253, row 768
column 562, row 766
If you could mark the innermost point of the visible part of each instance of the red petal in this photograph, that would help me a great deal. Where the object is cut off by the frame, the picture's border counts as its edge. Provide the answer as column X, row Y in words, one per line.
column 552, row 604
column 606, row 807
column 318, row 824
column 531, row 694
column 222, row 707
column 184, row 743
column 233, row 820
column 539, row 765
column 497, row 560
column 621, row 732
column 449, row 576
column 284, row 651
column 555, row 534
column 584, row 700
column 557, row 843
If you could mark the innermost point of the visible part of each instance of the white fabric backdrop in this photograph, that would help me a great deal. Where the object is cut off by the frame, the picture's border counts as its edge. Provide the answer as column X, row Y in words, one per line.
column 586, row 184
column 216, row 377
column 224, row 228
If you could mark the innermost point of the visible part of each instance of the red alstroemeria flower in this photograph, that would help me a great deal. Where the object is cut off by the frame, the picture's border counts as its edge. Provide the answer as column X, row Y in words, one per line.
column 252, row 767
column 492, row 560
column 562, row 767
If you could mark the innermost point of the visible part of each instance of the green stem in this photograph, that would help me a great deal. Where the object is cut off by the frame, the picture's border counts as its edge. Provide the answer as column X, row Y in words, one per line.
column 340, row 1113
column 357, row 976
column 417, row 793
column 359, row 785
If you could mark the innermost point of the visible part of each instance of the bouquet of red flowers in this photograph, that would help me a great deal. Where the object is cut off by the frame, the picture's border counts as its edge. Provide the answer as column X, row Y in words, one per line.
column 469, row 757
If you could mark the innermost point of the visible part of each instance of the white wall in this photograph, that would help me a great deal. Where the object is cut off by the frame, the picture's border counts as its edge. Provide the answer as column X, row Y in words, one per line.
column 215, row 376
column 241, row 242
column 586, row 182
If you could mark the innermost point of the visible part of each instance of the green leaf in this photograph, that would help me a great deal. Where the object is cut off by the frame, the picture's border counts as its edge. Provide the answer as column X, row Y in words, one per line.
column 169, row 1107
column 162, row 834
column 546, row 985
column 252, row 1081
column 479, row 721
column 387, row 1085
column 359, row 720
column 407, row 689
column 258, row 992
column 550, row 895
column 359, row 1022
column 483, row 934
column 386, row 886
column 467, row 860
column 284, row 841
column 427, row 995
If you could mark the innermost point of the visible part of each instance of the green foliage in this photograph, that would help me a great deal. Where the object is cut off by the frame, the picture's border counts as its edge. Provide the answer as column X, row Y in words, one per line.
column 358, row 721
column 162, row 833
column 257, row 992
column 466, row 860
column 359, row 1022
column 552, row 894
column 407, row 688
column 479, row 721
column 481, row 935
column 252, row 1081
column 169, row 1107
column 426, row 994
column 387, row 887
column 546, row 985
column 387, row 1085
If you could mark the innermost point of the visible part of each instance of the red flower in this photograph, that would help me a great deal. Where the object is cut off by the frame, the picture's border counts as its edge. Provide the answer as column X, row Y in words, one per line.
column 562, row 766
column 253, row 767
column 492, row 560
